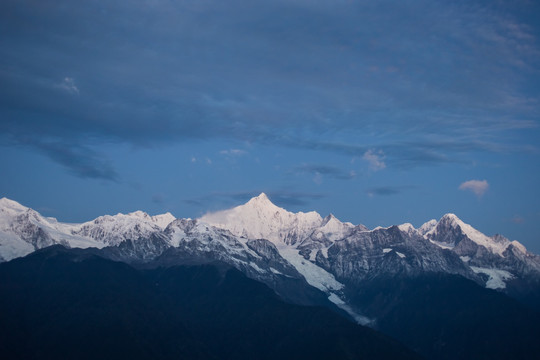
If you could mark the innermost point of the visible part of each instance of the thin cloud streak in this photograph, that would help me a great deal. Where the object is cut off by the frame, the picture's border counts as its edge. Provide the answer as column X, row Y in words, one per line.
column 81, row 161
column 325, row 170
column 387, row 190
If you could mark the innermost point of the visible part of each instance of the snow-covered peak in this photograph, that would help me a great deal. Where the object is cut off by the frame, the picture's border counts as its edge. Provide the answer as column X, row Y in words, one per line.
column 427, row 227
column 23, row 230
column 329, row 218
column 113, row 230
column 448, row 220
column 496, row 245
column 138, row 214
column 163, row 220
column 11, row 206
column 450, row 217
column 262, row 205
column 260, row 218
column 11, row 211
column 519, row 246
column 332, row 221
column 262, row 198
column 407, row 228
column 333, row 229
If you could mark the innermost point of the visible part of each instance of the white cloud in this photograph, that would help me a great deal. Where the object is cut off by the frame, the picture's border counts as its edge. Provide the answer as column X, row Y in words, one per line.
column 479, row 187
column 68, row 84
column 375, row 159
column 233, row 152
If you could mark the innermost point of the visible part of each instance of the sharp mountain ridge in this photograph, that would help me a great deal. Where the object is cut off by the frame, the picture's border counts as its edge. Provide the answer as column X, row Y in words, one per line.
column 304, row 257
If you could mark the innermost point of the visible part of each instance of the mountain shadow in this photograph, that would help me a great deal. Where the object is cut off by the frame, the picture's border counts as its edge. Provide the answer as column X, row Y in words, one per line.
column 449, row 317
column 60, row 303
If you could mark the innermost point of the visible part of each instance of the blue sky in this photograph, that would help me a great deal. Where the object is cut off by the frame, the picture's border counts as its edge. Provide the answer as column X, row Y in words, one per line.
column 379, row 112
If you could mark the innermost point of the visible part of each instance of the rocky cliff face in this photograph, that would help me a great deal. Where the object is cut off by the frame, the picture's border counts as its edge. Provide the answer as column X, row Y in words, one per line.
column 367, row 254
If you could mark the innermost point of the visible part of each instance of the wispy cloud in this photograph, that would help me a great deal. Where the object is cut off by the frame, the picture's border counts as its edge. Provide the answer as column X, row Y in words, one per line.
column 68, row 84
column 478, row 187
column 387, row 190
column 233, row 152
column 81, row 161
column 375, row 159
column 319, row 170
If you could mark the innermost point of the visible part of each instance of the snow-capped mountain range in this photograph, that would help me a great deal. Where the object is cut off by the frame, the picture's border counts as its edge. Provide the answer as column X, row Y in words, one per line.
column 276, row 246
